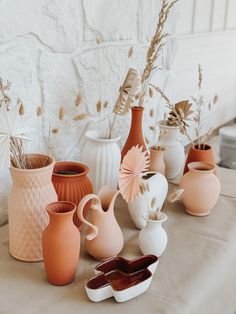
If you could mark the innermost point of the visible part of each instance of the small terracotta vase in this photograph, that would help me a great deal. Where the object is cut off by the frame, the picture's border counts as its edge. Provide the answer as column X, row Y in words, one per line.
column 61, row 244
column 204, row 154
column 201, row 188
column 135, row 136
column 32, row 190
column 72, row 184
column 104, row 238
column 157, row 163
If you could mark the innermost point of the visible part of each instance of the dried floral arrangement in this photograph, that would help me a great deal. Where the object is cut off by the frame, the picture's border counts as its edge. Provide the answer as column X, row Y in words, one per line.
column 158, row 41
column 201, row 107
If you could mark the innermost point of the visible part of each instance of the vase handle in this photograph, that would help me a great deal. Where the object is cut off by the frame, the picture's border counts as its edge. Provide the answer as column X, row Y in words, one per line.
column 93, row 229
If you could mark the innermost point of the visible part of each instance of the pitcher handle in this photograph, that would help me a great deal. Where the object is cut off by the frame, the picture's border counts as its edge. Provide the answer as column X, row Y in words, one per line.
column 94, row 230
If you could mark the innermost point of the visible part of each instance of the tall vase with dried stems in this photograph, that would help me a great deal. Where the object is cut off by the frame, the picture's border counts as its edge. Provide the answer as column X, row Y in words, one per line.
column 32, row 190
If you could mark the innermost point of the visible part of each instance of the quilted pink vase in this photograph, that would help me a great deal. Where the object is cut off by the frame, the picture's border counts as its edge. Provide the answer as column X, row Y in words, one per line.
column 32, row 190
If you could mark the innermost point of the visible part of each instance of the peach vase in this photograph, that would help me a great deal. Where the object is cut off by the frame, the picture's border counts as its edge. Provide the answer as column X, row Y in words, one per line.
column 32, row 190
column 201, row 188
column 72, row 183
column 157, row 163
column 61, row 244
column 204, row 154
column 135, row 136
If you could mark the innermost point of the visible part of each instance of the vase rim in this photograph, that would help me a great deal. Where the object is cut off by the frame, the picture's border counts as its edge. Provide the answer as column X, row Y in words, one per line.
column 94, row 136
column 203, row 167
column 207, row 146
column 67, row 164
column 163, row 218
column 49, row 159
column 152, row 148
column 164, row 124
column 53, row 208
column 138, row 108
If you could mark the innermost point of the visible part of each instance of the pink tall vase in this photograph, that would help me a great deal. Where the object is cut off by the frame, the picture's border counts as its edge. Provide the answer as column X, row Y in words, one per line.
column 32, row 190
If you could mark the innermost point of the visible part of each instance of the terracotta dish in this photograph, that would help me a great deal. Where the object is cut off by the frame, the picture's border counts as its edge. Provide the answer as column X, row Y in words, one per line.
column 121, row 278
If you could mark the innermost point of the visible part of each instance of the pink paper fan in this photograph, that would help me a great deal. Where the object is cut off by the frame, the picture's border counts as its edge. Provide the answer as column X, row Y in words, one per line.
column 134, row 166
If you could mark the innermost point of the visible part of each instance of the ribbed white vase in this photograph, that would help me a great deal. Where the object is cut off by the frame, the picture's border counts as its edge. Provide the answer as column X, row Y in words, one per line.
column 103, row 157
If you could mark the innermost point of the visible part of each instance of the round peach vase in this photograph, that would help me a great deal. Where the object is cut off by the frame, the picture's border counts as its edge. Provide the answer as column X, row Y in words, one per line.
column 174, row 156
column 32, row 190
column 61, row 244
column 135, row 136
column 201, row 188
column 72, row 183
column 157, row 163
column 203, row 154
column 104, row 238
column 102, row 155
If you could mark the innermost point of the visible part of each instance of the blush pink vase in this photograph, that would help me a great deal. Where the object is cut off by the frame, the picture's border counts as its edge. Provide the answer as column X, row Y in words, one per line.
column 32, row 190
column 201, row 188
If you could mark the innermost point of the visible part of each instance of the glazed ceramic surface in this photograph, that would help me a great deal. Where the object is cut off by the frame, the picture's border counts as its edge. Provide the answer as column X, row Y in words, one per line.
column 201, row 188
column 135, row 136
column 121, row 279
column 174, row 156
column 205, row 154
column 153, row 238
column 158, row 189
column 72, row 184
column 103, row 159
column 32, row 190
column 104, row 238
column 157, row 163
column 61, row 244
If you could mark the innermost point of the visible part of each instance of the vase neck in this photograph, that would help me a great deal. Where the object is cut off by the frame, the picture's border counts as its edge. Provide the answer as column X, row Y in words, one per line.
column 136, row 121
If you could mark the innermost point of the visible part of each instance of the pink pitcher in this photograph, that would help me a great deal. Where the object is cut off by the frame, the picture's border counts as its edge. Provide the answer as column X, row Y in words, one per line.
column 104, row 238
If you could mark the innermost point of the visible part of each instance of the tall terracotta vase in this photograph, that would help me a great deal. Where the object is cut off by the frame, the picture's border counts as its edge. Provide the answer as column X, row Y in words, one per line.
column 203, row 154
column 201, row 188
column 135, row 136
column 72, row 183
column 32, row 190
column 61, row 244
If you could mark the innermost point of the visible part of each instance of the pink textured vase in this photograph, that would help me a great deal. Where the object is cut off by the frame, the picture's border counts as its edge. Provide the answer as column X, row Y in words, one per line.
column 32, row 190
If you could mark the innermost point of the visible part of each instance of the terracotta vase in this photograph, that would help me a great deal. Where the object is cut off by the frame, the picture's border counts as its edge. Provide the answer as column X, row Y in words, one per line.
column 157, row 163
column 201, row 188
column 32, row 190
column 104, row 238
column 102, row 155
column 204, row 154
column 135, row 136
column 72, row 184
column 61, row 244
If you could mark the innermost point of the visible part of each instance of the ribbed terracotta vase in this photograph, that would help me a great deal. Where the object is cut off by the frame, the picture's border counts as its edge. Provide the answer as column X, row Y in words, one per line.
column 135, row 136
column 61, row 244
column 32, row 190
column 72, row 184
column 204, row 154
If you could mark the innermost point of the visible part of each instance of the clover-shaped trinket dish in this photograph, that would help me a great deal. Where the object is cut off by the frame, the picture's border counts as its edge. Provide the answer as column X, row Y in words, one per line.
column 121, row 278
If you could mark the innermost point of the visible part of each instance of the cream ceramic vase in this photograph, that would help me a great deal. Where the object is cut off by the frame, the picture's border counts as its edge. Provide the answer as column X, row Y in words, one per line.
column 174, row 156
column 158, row 189
column 157, row 163
column 153, row 238
column 103, row 157
column 32, row 190
column 201, row 188
column 104, row 238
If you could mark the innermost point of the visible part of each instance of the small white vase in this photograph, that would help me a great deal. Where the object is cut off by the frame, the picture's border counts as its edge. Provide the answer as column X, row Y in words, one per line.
column 174, row 155
column 103, row 157
column 153, row 238
column 158, row 189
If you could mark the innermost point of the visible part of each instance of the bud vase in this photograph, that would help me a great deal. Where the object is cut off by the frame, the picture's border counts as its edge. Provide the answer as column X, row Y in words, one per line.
column 201, row 188
column 153, row 238
column 32, row 190
column 61, row 244
column 72, row 184
column 102, row 155
column 174, row 156
column 157, row 163
column 135, row 136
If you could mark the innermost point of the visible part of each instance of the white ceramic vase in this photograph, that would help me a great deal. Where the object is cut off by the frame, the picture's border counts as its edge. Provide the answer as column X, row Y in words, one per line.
column 103, row 157
column 153, row 238
column 174, row 155
column 158, row 189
